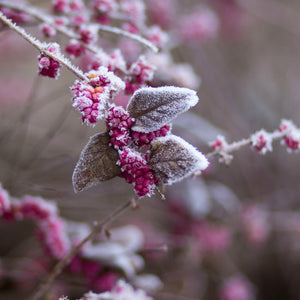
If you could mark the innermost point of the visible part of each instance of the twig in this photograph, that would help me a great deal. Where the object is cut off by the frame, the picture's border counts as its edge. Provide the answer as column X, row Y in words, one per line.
column 226, row 149
column 97, row 228
column 127, row 34
column 42, row 47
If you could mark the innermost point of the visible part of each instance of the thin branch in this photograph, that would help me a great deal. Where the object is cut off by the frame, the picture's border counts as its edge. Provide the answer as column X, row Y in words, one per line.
column 226, row 149
column 127, row 34
column 98, row 227
column 42, row 47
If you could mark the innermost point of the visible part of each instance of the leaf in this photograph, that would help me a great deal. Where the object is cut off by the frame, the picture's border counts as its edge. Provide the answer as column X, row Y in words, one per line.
column 172, row 159
column 153, row 108
column 97, row 162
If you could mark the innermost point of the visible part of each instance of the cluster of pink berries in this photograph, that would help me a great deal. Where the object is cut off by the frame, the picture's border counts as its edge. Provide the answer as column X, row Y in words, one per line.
column 15, row 16
column 91, row 98
column 118, row 123
column 102, row 10
column 67, row 6
column 141, row 72
column 135, row 170
column 47, row 65
column 144, row 138
column 261, row 141
column 292, row 135
column 50, row 227
column 52, row 232
column 134, row 165
column 74, row 48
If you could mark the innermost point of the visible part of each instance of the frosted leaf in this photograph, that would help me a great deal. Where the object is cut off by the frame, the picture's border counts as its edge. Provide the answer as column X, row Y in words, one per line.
column 97, row 162
column 173, row 159
column 155, row 107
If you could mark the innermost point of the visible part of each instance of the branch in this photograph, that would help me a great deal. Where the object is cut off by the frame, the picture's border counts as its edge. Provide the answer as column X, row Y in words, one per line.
column 127, row 34
column 261, row 141
column 42, row 47
column 98, row 227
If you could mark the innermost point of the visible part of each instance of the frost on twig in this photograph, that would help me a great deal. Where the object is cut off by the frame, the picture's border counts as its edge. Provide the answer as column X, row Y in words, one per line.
column 173, row 159
column 153, row 108
column 260, row 141
column 97, row 162
column 43, row 47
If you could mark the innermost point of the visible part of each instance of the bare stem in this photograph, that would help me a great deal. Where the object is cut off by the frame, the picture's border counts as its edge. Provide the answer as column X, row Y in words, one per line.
column 98, row 227
column 42, row 47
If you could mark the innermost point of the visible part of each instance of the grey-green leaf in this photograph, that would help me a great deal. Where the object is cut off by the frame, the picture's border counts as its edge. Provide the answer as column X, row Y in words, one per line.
column 97, row 162
column 153, row 108
column 172, row 159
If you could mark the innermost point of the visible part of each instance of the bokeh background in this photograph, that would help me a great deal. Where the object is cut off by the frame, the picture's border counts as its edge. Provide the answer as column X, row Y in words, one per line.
column 246, row 216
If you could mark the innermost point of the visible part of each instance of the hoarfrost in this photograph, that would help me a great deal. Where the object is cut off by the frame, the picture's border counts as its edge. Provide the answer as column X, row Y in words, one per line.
column 173, row 159
column 155, row 107
column 97, row 162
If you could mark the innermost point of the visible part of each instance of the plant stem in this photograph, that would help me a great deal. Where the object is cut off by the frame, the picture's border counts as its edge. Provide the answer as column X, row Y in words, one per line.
column 42, row 47
column 226, row 149
column 98, row 227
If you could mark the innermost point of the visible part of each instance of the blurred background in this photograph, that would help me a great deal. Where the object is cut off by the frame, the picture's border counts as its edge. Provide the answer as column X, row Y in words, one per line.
column 234, row 232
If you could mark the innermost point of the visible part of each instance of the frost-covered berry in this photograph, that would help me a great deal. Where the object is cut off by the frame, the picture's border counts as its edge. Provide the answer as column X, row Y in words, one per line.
column 61, row 21
column 15, row 16
column 261, row 141
column 134, row 9
column 155, row 35
column 142, row 70
column 292, row 135
column 47, row 65
column 135, row 170
column 118, row 123
column 219, row 143
column 74, row 48
column 47, row 30
column 53, row 236
column 143, row 138
column 92, row 98
column 76, row 5
column 130, row 27
column 88, row 34
column 131, row 88
column 37, row 208
column 293, row 141
column 104, row 6
column 60, row 6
